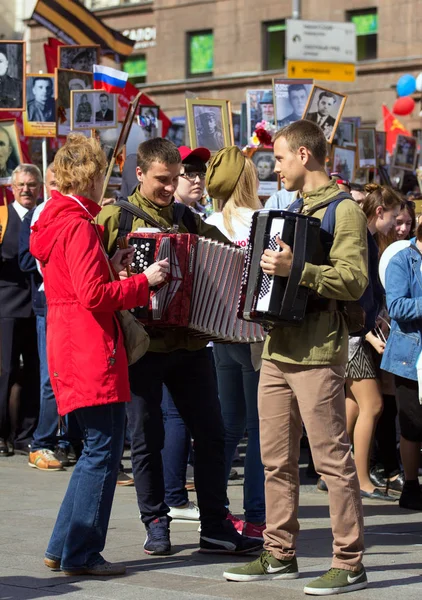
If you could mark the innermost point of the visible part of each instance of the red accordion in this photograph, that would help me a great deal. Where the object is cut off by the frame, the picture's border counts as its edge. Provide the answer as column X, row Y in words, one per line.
column 203, row 288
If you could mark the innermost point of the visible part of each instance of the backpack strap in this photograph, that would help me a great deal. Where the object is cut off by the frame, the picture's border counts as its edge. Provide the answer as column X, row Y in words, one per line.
column 125, row 223
column 4, row 217
column 138, row 212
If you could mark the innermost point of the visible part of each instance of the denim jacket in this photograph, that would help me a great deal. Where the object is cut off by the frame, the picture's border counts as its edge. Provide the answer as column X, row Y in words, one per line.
column 403, row 286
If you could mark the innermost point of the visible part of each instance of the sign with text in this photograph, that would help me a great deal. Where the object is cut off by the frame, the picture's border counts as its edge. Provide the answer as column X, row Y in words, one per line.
column 327, row 41
column 325, row 71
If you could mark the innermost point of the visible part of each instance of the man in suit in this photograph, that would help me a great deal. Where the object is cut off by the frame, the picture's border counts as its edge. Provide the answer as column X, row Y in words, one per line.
column 105, row 113
column 322, row 116
column 298, row 97
column 41, row 108
column 19, row 384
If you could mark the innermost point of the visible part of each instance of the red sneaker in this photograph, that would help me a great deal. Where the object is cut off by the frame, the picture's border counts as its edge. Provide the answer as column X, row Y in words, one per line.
column 238, row 523
column 254, row 531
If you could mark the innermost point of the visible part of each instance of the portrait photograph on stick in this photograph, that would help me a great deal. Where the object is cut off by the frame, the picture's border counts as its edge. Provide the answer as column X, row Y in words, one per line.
column 405, row 153
column 93, row 109
column 79, row 58
column 39, row 119
column 344, row 162
column 12, row 75
column 10, row 150
column 209, row 123
column 325, row 108
column 264, row 161
column 259, row 107
column 380, row 144
column 366, row 147
column 290, row 99
column 345, row 134
column 68, row 80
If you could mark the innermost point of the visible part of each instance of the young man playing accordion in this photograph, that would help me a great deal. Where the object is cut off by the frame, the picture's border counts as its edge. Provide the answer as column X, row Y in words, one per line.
column 182, row 363
column 302, row 379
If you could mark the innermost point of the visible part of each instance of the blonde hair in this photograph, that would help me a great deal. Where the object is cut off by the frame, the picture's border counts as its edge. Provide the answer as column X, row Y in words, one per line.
column 245, row 195
column 78, row 163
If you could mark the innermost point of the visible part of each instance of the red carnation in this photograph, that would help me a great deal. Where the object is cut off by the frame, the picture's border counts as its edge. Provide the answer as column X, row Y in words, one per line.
column 263, row 136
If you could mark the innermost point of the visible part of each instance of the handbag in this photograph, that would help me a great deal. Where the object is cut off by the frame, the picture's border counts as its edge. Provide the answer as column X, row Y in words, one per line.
column 136, row 339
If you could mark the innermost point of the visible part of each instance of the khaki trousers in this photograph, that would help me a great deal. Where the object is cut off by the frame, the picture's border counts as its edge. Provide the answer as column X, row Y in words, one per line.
column 288, row 395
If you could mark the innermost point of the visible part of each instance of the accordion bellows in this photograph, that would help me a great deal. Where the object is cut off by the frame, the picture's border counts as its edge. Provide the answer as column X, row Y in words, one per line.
column 203, row 290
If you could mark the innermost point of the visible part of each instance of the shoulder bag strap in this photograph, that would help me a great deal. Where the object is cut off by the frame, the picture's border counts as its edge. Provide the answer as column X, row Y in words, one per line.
column 138, row 212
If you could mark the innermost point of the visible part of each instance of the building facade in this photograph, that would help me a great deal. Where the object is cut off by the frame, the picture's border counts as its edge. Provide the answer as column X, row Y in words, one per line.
column 220, row 48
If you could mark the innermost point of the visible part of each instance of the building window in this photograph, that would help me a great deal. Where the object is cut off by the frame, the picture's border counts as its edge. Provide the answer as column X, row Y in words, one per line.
column 366, row 22
column 200, row 53
column 274, row 35
column 136, row 67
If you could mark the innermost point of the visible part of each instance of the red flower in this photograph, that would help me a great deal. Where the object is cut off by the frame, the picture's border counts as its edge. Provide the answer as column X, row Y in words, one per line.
column 263, row 136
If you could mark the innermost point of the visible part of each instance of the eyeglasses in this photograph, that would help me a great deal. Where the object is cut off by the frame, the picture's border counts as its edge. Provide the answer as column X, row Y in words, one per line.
column 193, row 175
column 31, row 186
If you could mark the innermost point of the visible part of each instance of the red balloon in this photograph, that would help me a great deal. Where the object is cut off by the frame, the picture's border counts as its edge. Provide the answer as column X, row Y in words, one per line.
column 403, row 106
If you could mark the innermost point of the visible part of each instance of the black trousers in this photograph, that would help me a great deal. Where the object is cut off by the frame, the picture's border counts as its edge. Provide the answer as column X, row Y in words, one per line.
column 19, row 413
column 191, row 380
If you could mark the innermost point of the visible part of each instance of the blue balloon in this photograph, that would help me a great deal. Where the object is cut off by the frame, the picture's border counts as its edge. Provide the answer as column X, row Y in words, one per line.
column 406, row 85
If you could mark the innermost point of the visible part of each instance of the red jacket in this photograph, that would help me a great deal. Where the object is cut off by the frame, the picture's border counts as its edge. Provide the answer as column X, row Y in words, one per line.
column 86, row 356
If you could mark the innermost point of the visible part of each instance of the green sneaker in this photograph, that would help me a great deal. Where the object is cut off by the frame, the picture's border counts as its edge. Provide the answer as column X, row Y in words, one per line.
column 337, row 581
column 264, row 567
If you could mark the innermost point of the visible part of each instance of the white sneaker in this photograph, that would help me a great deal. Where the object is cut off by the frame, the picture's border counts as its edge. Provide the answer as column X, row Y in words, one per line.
column 187, row 512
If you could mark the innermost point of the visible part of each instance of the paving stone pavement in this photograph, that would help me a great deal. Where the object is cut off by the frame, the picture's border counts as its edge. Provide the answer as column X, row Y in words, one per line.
column 29, row 501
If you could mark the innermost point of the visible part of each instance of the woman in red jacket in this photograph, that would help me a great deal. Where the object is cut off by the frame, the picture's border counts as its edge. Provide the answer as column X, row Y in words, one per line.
column 86, row 355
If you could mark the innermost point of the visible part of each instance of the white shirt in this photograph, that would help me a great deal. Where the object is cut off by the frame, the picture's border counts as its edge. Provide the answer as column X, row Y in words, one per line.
column 21, row 210
column 241, row 226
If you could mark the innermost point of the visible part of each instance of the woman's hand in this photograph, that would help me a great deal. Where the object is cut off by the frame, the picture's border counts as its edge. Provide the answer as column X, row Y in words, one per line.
column 157, row 272
column 375, row 342
column 122, row 258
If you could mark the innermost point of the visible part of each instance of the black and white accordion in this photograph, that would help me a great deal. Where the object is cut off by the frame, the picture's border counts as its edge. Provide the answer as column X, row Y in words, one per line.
column 203, row 288
column 266, row 299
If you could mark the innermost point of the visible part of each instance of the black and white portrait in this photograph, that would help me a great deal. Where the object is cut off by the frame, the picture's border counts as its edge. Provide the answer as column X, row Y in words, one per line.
column 66, row 82
column 10, row 150
column 209, row 127
column 405, row 153
column 79, row 58
column 344, row 162
column 324, row 108
column 12, row 72
column 264, row 162
column 40, row 103
column 367, row 147
column 105, row 109
column 290, row 99
column 345, row 133
column 260, row 107
column 380, row 143
column 236, row 122
column 149, row 112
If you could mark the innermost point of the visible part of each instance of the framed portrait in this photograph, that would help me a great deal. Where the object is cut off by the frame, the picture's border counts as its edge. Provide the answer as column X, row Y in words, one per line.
column 39, row 118
column 209, row 122
column 264, row 161
column 366, row 147
column 345, row 134
column 149, row 111
column 12, row 75
column 259, row 107
column 176, row 132
column 290, row 99
column 78, row 58
column 344, row 162
column 405, row 153
column 325, row 108
column 380, row 146
column 236, row 129
column 10, row 150
column 68, row 80
column 357, row 121
column 92, row 109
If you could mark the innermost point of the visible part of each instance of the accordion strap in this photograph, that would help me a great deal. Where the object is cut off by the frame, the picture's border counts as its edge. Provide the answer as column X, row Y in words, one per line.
column 138, row 212
column 299, row 248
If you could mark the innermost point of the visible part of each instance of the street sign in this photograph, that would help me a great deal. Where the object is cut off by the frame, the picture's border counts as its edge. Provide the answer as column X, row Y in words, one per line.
column 326, row 71
column 327, row 41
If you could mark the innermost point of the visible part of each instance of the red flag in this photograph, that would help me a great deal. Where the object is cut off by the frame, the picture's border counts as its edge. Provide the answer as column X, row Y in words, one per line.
column 50, row 52
column 393, row 128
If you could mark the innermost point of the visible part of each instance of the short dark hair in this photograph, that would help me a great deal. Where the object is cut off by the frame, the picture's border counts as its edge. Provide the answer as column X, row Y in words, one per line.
column 41, row 79
column 327, row 95
column 307, row 134
column 157, row 149
column 296, row 87
column 104, row 95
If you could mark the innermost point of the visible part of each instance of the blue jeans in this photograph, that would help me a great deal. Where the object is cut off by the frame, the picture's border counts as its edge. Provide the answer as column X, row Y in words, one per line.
column 238, row 391
column 175, row 452
column 80, row 531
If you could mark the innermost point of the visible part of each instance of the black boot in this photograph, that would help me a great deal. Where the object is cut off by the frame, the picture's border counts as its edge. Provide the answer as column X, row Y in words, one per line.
column 411, row 496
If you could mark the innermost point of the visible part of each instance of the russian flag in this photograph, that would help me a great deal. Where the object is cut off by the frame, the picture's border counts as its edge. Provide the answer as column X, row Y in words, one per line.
column 110, row 80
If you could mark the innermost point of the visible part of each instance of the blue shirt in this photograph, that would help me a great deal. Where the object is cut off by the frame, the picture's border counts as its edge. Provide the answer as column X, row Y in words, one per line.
column 281, row 199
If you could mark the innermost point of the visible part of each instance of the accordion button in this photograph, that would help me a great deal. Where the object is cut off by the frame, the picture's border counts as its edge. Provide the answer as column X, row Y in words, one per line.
column 142, row 245
column 311, row 285
column 303, row 283
column 135, row 245
column 133, row 264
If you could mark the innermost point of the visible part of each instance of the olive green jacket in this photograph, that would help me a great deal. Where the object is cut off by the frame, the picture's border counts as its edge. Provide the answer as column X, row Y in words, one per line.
column 162, row 340
column 322, row 337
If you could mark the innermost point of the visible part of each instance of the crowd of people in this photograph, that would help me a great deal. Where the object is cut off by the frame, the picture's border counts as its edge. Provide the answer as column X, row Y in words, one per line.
column 339, row 379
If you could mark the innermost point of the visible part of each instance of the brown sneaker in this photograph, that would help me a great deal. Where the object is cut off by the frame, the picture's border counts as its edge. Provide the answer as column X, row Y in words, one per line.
column 44, row 460
column 123, row 479
column 52, row 564
column 105, row 569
